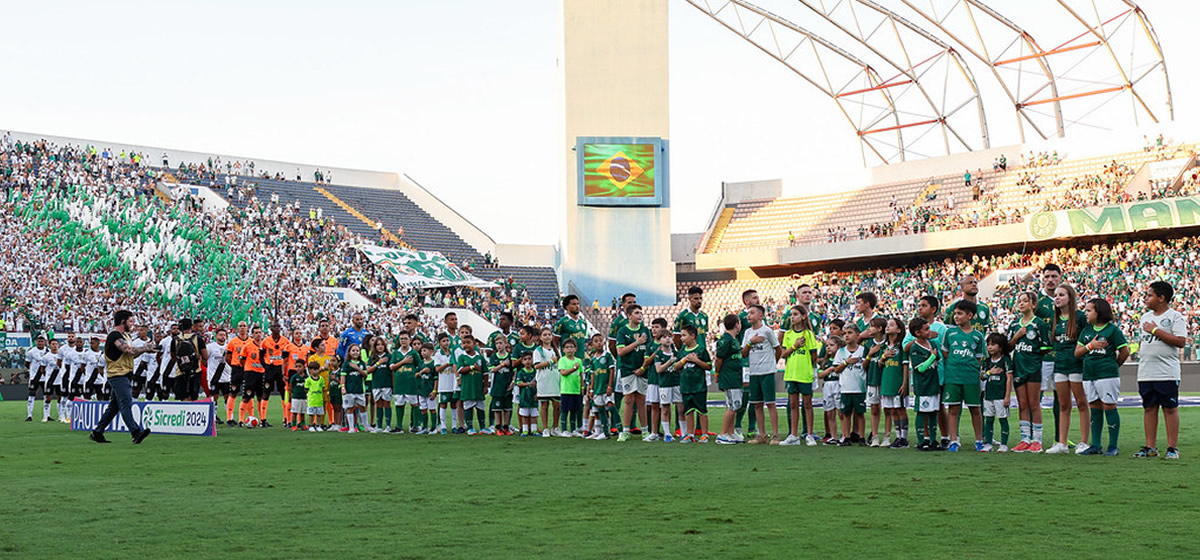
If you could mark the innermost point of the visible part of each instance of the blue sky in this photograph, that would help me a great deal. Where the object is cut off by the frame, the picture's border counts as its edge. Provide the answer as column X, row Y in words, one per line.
column 462, row 95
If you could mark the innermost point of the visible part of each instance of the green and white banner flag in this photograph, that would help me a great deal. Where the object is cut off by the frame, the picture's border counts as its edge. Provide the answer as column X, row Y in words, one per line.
column 421, row 269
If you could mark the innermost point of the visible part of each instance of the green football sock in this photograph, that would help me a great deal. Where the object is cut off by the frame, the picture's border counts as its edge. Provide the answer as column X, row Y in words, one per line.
column 481, row 416
column 931, row 421
column 1003, row 431
column 399, row 416
column 741, row 412
column 413, row 418
column 752, row 423
column 1053, row 411
column 1097, row 425
column 921, row 427
column 387, row 417
column 989, row 428
column 1114, row 427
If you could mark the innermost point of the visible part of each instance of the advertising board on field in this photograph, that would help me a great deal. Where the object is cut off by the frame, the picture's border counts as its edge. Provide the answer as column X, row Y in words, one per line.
column 178, row 418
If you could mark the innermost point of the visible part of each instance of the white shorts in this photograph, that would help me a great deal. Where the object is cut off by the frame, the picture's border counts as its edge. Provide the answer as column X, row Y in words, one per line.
column 426, row 403
column 549, row 384
column 652, row 393
column 529, row 412
column 351, row 400
column 402, row 400
column 468, row 405
column 1048, row 377
column 734, row 398
column 1106, row 390
column 1065, row 377
column 382, row 395
column 629, row 384
column 831, row 396
column 316, row 410
column 602, row 400
column 873, row 395
column 894, row 402
column 929, row 404
column 995, row 408
column 669, row 395
column 299, row 406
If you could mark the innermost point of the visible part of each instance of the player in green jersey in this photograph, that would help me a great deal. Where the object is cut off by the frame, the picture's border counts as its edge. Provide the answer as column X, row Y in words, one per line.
column 501, row 367
column 1069, row 321
column 354, row 402
column 619, row 320
column 659, row 350
column 692, row 315
column 893, row 382
column 1027, row 336
column 864, row 305
column 602, row 366
column 633, row 358
column 982, row 320
column 923, row 359
column 299, row 398
column 997, row 377
column 691, row 363
column 527, row 404
column 381, row 383
column 571, row 326
column 963, row 348
column 472, row 383
column 427, row 400
column 872, row 341
column 404, row 380
column 506, row 332
column 831, row 383
column 665, row 389
column 727, row 366
column 1103, row 348
column 1051, row 279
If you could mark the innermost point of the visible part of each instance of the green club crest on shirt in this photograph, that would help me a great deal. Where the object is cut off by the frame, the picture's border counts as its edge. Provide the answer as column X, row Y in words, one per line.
column 1043, row 225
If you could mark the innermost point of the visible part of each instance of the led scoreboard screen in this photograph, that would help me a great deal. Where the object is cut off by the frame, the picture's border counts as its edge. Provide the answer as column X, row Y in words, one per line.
column 621, row 171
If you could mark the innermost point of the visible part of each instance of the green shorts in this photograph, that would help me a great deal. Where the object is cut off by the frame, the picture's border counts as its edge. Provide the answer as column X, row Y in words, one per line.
column 501, row 403
column 695, row 402
column 762, row 388
column 854, row 403
column 448, row 398
column 961, row 393
column 798, row 387
column 1035, row 377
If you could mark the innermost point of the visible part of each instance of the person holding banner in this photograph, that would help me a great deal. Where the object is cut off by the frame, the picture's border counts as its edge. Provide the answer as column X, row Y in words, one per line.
column 118, row 355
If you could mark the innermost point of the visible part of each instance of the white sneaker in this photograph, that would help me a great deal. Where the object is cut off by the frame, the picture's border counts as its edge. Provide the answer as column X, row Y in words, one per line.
column 312, row 429
column 556, row 432
column 810, row 441
column 546, row 432
column 1002, row 449
column 1058, row 448
column 987, row 448
column 600, row 436
column 563, row 434
column 334, row 427
column 874, row 442
column 738, row 436
column 651, row 437
column 791, row 440
column 887, row 441
column 1080, row 448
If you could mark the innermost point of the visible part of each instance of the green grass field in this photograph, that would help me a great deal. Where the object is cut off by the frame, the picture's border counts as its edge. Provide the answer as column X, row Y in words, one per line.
column 277, row 494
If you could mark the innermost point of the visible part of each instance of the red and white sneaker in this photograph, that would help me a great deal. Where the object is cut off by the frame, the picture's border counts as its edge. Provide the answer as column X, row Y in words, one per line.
column 1021, row 447
column 1035, row 447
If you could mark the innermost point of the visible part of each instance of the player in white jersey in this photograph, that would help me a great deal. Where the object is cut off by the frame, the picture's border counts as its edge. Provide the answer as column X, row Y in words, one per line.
column 76, row 358
column 34, row 357
column 51, row 383
column 219, row 372
column 96, row 382
column 143, row 364
column 166, row 366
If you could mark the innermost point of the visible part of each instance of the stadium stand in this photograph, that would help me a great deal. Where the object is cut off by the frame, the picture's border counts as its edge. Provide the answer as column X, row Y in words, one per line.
column 943, row 202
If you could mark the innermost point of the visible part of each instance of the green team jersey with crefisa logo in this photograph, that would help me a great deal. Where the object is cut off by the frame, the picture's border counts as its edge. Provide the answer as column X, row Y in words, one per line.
column 1027, row 350
column 668, row 377
column 963, row 351
column 1045, row 312
column 527, row 396
column 691, row 376
column 627, row 336
column 470, row 381
column 1101, row 363
column 995, row 377
column 404, row 378
column 729, row 351
column 567, row 328
column 924, row 383
column 695, row 319
column 874, row 365
column 511, row 336
column 891, row 369
column 982, row 321
column 601, row 367
column 502, row 378
column 1064, row 343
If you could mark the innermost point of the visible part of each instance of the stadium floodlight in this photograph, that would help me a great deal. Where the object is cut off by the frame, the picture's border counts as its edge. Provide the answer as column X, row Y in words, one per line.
column 1110, row 49
column 878, row 108
column 936, row 71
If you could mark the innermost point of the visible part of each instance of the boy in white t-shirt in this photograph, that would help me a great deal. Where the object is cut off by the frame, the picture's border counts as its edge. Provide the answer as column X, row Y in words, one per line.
column 761, row 349
column 1163, row 333
column 849, row 364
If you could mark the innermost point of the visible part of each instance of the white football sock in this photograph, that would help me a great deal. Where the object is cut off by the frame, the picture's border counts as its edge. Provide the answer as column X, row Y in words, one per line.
column 29, row 407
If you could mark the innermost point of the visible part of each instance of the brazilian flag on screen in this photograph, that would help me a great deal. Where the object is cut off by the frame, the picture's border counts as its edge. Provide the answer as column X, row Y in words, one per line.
column 618, row 170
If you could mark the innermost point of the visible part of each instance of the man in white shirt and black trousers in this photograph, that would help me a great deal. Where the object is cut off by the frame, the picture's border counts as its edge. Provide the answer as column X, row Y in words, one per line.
column 1163, row 333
